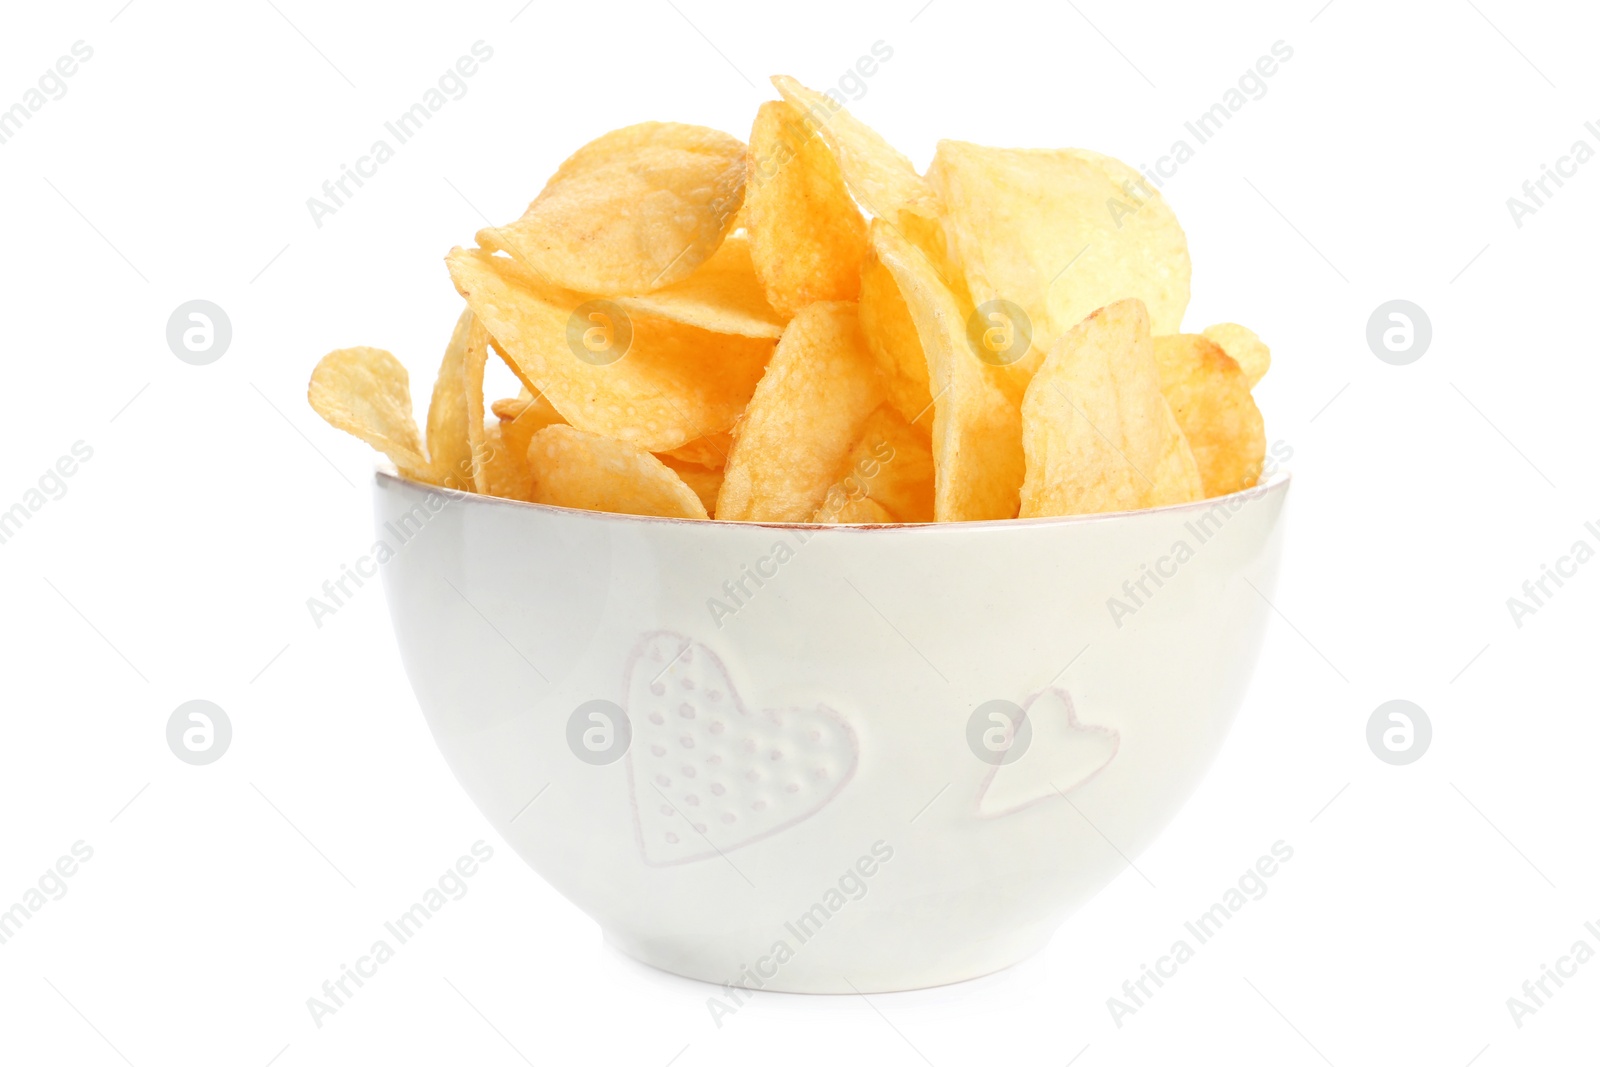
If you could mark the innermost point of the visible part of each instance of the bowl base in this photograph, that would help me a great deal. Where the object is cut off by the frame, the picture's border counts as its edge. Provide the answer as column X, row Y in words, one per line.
column 860, row 975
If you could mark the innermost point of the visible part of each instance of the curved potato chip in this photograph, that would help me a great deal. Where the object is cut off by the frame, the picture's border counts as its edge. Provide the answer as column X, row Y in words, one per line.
column 508, row 408
column 928, row 235
column 705, row 482
column 710, row 451
column 1247, row 350
column 803, row 418
column 1210, row 397
column 473, row 362
column 574, row 469
column 880, row 178
column 521, row 418
column 1059, row 232
column 977, row 429
column 502, row 470
column 366, row 392
column 512, row 408
column 1098, row 434
column 892, row 337
column 449, row 439
column 844, row 510
column 723, row 296
column 672, row 385
column 891, row 465
column 633, row 210
column 807, row 239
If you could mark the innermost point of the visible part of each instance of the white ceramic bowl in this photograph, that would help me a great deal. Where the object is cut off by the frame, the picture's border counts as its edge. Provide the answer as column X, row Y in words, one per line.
column 794, row 787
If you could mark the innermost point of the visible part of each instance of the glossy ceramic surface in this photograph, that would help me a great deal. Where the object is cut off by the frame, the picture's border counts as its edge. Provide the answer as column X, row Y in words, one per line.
column 789, row 757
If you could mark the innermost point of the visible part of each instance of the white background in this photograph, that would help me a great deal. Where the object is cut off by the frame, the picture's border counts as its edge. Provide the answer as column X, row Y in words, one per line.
column 178, row 563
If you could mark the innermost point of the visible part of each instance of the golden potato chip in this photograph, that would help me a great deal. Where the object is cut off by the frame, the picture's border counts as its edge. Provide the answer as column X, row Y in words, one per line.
column 1098, row 434
column 472, row 367
column 1247, row 350
column 890, row 464
column 977, row 432
column 521, row 418
column 803, row 418
column 709, row 451
column 723, row 296
column 367, row 393
column 880, row 178
column 807, row 239
column 633, row 210
column 842, row 509
column 575, row 469
column 449, row 439
column 702, row 328
column 892, row 338
column 671, row 384
column 508, row 408
column 1059, row 233
column 512, row 408
column 928, row 235
column 503, row 470
column 1210, row 397
column 705, row 482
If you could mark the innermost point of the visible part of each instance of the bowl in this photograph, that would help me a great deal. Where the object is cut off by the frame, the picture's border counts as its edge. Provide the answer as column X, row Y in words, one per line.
column 827, row 759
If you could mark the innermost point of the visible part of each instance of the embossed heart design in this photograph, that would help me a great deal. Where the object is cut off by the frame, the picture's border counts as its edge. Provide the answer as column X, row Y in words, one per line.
column 1062, row 755
column 707, row 774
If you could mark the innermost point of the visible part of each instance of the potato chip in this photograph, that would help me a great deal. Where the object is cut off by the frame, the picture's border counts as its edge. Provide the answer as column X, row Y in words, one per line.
column 977, row 433
column 508, row 408
column 928, row 235
column 890, row 464
column 723, row 296
column 634, row 210
column 473, row 363
column 1247, row 350
column 708, row 451
column 880, row 178
column 367, row 393
column 705, row 482
column 575, row 469
column 503, row 470
column 1098, row 434
column 1210, row 397
column 892, row 338
column 704, row 328
column 512, row 408
column 449, row 440
column 671, row 385
column 807, row 239
column 842, row 510
column 523, row 417
column 1059, row 233
column 803, row 418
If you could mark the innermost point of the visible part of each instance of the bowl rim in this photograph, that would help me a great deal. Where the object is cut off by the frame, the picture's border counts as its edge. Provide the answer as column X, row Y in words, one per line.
column 1278, row 483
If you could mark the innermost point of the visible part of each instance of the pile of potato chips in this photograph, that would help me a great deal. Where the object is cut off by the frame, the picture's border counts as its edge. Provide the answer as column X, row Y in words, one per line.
column 805, row 329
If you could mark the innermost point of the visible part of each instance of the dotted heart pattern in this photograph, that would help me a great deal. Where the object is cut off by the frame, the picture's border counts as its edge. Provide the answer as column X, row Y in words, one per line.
column 708, row 774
